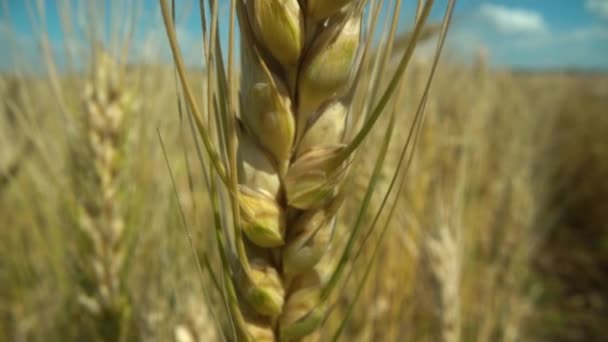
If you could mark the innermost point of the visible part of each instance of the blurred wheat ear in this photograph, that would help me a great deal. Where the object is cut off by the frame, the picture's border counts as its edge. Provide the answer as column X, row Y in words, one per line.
column 284, row 149
column 97, row 157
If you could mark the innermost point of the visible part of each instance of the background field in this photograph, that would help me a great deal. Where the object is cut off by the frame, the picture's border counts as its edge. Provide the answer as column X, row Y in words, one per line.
column 512, row 165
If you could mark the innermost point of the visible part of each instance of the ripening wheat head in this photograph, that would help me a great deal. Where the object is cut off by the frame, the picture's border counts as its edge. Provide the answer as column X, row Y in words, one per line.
column 290, row 142
column 286, row 156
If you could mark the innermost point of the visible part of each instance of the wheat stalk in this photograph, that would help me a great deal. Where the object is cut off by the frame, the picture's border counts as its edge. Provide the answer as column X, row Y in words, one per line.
column 98, row 154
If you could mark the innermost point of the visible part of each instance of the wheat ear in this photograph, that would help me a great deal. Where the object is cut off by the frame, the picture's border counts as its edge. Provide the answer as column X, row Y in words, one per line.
column 296, row 65
column 282, row 155
column 100, row 151
column 445, row 266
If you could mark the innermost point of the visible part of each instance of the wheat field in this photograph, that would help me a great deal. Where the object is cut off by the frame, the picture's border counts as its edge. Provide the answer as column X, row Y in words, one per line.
column 484, row 219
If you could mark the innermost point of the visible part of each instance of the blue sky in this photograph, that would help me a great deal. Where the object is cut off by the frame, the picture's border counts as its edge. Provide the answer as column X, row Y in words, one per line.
column 535, row 33
column 515, row 33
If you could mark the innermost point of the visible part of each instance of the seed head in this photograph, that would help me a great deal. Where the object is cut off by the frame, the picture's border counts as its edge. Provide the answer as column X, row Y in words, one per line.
column 328, row 66
column 312, row 235
column 303, row 310
column 256, row 170
column 268, row 115
column 327, row 130
column 314, row 179
column 264, row 290
column 279, row 26
column 262, row 218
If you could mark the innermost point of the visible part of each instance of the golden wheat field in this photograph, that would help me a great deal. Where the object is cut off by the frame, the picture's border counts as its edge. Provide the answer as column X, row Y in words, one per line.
column 300, row 182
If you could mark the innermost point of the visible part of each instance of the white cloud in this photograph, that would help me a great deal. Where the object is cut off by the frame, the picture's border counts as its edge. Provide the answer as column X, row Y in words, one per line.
column 599, row 7
column 513, row 20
